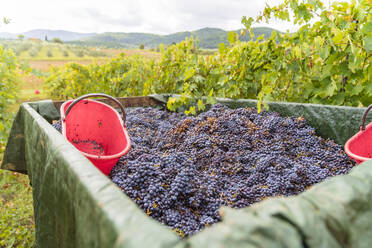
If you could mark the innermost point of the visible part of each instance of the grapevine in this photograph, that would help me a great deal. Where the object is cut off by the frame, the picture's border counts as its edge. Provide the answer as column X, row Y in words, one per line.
column 9, row 78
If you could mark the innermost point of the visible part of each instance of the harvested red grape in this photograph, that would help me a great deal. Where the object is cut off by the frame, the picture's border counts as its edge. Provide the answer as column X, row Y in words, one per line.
column 181, row 170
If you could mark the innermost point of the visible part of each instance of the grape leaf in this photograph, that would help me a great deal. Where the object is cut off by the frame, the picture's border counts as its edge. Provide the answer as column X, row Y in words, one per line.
column 189, row 73
column 356, row 90
column 231, row 37
column 338, row 36
column 368, row 43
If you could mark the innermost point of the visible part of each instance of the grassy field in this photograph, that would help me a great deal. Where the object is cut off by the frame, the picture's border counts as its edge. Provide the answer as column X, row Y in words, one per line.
column 16, row 207
column 17, row 227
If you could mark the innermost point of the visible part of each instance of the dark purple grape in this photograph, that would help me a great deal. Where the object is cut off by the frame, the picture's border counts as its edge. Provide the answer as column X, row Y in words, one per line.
column 57, row 125
column 181, row 170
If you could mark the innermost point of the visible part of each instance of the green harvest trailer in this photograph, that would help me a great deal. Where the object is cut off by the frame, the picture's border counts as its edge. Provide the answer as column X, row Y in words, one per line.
column 77, row 206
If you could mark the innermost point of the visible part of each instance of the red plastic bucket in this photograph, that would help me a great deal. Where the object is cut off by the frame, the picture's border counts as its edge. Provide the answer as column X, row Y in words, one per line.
column 96, row 130
column 359, row 147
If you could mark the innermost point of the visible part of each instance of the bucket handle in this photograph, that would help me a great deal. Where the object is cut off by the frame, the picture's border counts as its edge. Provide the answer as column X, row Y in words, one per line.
column 363, row 126
column 99, row 95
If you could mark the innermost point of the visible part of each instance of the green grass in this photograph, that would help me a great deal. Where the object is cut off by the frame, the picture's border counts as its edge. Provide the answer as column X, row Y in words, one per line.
column 28, row 95
column 17, row 227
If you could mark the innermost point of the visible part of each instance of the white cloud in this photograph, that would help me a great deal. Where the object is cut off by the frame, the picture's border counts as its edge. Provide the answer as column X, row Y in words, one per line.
column 161, row 16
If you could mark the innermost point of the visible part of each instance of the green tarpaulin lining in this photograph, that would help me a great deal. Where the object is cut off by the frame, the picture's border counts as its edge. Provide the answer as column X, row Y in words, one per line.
column 77, row 206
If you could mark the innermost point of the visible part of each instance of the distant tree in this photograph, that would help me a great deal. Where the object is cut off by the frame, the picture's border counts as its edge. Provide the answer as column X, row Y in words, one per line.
column 79, row 52
column 21, row 36
column 33, row 52
column 49, row 53
column 5, row 21
column 142, row 46
column 57, row 40
column 46, row 38
column 65, row 53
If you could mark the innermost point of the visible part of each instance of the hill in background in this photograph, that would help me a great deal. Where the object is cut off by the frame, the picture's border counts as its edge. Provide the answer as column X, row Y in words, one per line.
column 50, row 34
column 209, row 38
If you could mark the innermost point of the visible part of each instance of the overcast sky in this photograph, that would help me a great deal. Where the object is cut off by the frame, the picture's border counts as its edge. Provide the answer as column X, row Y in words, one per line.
column 157, row 16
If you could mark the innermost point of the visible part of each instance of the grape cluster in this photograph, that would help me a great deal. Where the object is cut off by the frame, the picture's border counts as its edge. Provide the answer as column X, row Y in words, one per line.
column 57, row 125
column 181, row 169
